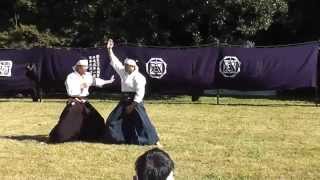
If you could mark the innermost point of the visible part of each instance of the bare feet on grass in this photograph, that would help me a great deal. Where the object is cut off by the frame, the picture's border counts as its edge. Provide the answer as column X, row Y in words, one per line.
column 159, row 145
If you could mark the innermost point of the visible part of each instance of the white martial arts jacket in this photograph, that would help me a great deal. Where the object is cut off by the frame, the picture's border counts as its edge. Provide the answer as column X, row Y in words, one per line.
column 78, row 86
column 134, row 82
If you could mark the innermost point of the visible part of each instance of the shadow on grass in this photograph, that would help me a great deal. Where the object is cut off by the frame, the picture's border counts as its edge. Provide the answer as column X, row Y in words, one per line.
column 38, row 138
column 45, row 139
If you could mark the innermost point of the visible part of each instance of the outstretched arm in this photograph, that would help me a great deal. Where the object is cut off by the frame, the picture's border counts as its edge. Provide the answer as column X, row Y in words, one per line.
column 100, row 82
column 114, row 61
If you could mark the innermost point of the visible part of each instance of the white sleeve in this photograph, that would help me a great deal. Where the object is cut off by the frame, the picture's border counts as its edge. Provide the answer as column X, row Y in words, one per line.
column 140, row 83
column 100, row 82
column 115, row 63
column 90, row 80
column 72, row 86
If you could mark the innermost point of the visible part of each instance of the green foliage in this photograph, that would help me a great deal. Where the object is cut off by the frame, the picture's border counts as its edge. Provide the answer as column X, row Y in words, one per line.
column 27, row 36
column 89, row 23
column 241, row 19
column 194, row 22
column 302, row 23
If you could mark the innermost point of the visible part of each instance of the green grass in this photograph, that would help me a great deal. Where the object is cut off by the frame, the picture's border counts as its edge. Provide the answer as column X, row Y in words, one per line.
column 240, row 139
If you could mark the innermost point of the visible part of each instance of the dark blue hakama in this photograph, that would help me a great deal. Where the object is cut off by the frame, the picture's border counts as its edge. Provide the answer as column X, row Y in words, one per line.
column 134, row 128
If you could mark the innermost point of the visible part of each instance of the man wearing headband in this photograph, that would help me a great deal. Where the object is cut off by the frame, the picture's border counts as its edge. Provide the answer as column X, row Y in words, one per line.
column 129, row 123
column 79, row 119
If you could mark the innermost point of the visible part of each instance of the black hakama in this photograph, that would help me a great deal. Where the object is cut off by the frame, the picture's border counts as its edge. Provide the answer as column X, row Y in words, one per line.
column 78, row 122
column 133, row 128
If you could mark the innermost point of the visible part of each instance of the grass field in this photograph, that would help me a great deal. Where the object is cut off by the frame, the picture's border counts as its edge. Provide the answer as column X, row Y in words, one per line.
column 240, row 139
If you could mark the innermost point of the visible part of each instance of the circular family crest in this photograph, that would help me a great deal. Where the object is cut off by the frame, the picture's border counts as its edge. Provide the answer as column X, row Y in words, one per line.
column 156, row 68
column 229, row 66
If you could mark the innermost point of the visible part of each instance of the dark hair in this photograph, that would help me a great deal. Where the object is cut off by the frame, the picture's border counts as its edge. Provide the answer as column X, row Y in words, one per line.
column 154, row 164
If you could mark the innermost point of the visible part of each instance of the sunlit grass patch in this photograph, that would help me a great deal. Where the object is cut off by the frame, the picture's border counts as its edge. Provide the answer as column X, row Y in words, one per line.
column 240, row 139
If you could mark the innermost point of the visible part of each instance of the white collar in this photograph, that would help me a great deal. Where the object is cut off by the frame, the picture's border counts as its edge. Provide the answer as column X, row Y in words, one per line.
column 170, row 176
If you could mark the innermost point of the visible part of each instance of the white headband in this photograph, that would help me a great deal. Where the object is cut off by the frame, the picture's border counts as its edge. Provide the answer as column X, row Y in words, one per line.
column 130, row 62
column 82, row 62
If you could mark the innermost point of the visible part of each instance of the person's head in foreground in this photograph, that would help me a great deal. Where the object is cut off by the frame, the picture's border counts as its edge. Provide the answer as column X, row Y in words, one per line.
column 154, row 164
column 81, row 66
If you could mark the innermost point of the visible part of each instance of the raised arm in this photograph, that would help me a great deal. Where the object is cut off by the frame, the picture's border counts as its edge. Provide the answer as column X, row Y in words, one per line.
column 114, row 61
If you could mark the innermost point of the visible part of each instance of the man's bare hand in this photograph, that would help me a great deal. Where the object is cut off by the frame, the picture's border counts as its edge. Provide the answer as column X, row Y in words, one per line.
column 112, row 79
column 110, row 44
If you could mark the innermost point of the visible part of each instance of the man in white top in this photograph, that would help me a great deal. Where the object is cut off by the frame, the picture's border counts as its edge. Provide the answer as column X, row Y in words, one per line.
column 79, row 81
column 79, row 119
column 129, row 123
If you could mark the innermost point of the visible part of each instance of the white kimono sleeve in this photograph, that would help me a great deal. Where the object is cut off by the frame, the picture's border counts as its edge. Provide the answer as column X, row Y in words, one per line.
column 140, row 83
column 116, row 64
column 100, row 82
